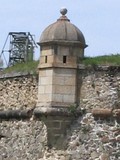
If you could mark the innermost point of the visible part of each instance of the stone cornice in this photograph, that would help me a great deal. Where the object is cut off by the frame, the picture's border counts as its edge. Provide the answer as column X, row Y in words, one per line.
column 57, row 111
column 16, row 114
column 64, row 43
column 108, row 68
column 15, row 74
column 106, row 113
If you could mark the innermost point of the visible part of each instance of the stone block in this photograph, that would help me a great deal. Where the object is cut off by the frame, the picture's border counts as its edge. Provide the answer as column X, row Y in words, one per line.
column 58, row 80
column 53, row 124
column 46, row 80
column 64, row 72
column 105, row 156
column 71, row 59
column 64, row 90
column 48, row 89
column 57, row 97
column 70, row 81
column 69, row 98
column 41, row 89
column 42, row 73
column 56, row 131
column 66, row 124
column 50, row 59
column 46, row 52
column 42, row 60
column 44, row 97
column 49, row 72
column 58, row 59
column 63, row 50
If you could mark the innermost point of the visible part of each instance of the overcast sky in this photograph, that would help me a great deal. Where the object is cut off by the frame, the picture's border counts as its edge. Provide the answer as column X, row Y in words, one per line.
column 99, row 21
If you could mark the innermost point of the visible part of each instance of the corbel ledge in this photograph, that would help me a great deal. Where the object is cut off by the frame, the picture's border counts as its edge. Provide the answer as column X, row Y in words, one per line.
column 57, row 111
column 106, row 113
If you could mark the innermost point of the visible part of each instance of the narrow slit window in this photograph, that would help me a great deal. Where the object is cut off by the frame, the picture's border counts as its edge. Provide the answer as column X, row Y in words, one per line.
column 45, row 59
column 64, row 59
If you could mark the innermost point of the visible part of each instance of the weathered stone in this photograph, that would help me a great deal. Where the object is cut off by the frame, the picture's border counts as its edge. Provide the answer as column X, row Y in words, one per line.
column 104, row 156
column 18, row 92
column 87, row 138
column 94, row 155
column 25, row 141
column 105, row 139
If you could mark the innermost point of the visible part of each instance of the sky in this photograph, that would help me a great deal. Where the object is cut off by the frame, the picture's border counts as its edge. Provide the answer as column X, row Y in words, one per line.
column 99, row 21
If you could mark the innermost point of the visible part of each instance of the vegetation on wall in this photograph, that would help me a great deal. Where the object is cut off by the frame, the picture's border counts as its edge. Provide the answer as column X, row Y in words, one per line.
column 99, row 60
column 23, row 67
column 102, row 60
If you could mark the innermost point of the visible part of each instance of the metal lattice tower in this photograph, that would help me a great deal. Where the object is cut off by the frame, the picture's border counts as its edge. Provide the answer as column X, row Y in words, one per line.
column 21, row 47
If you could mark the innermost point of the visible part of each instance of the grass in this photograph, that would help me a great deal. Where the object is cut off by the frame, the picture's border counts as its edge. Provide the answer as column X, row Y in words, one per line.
column 23, row 67
column 102, row 60
column 99, row 60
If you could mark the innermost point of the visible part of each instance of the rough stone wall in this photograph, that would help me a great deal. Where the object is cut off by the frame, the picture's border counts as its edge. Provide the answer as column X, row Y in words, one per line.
column 99, row 88
column 96, row 89
column 18, row 91
column 86, row 139
column 22, row 139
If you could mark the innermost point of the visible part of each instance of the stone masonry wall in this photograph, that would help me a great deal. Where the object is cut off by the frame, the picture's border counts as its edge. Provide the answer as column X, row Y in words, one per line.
column 99, row 88
column 18, row 91
column 88, row 138
column 96, row 89
column 22, row 139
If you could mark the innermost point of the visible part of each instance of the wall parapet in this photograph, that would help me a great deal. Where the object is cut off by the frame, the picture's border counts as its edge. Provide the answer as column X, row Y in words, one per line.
column 18, row 90
column 15, row 74
column 99, row 67
column 16, row 114
column 106, row 113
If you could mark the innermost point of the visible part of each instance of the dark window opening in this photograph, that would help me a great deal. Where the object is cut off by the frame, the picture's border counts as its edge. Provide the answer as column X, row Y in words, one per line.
column 55, row 49
column 64, row 59
column 45, row 59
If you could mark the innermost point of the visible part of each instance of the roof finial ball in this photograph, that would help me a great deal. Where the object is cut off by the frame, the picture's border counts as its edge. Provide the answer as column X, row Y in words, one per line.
column 63, row 11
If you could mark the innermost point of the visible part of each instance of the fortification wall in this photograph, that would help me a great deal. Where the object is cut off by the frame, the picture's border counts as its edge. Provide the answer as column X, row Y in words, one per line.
column 22, row 139
column 18, row 91
column 99, row 87
column 95, row 134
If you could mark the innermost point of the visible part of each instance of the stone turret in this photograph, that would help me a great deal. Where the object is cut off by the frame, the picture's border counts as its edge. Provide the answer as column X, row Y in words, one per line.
column 62, row 45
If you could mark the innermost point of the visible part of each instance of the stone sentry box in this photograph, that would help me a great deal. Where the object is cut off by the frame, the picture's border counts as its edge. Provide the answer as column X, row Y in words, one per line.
column 62, row 47
column 57, row 87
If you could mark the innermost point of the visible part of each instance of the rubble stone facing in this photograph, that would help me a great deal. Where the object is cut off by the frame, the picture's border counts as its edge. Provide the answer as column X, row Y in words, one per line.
column 22, row 139
column 88, row 139
column 18, row 91
column 99, row 88
column 92, row 137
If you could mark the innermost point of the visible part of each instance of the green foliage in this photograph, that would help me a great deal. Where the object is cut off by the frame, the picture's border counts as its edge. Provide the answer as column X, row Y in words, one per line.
column 85, row 128
column 72, row 109
column 23, row 67
column 102, row 60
